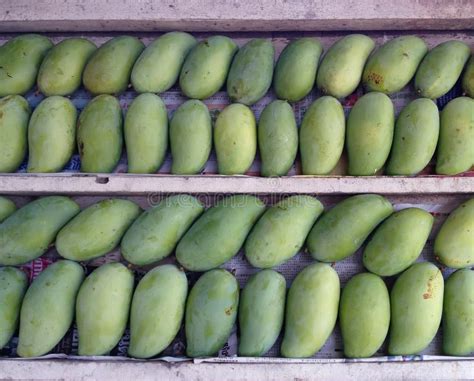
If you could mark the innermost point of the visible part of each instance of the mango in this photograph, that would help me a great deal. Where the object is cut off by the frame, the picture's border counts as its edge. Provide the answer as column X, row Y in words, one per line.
column 206, row 66
column 7, row 207
column 61, row 70
column 157, row 310
column 146, row 133
column 454, row 243
column 102, row 308
column 235, row 139
column 341, row 69
column 158, row 67
column 468, row 78
column 211, row 311
column 416, row 307
column 311, row 310
column 369, row 134
column 28, row 233
column 342, row 230
column 20, row 59
column 261, row 312
column 322, row 136
column 48, row 308
column 219, row 233
column 281, row 232
column 155, row 234
column 364, row 315
column 295, row 71
column 99, row 135
column 441, row 68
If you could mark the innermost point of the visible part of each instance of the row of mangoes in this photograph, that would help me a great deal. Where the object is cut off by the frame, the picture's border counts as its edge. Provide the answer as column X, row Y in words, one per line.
column 204, row 67
column 371, row 136
column 203, row 240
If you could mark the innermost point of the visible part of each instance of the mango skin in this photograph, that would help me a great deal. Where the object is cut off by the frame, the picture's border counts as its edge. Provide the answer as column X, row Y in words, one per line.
column 235, row 139
column 211, row 311
column 344, row 228
column 20, row 59
column 219, row 233
column 321, row 137
column 261, row 312
column 458, row 317
column 61, row 70
column 416, row 307
column 394, row 64
column 157, row 310
column 99, row 135
column 7, row 208
column 364, row 315
column 13, row 285
column 96, row 230
column 14, row 115
column 155, row 234
column 369, row 134
column 311, row 310
column 281, row 232
column 454, row 243
column 27, row 233
column 51, row 135
column 341, row 69
column 48, row 308
column 158, row 67
column 441, row 68
column 456, row 137
column 206, row 66
column 468, row 78
column 295, row 71
column 102, row 308
column 146, row 133
column 398, row 242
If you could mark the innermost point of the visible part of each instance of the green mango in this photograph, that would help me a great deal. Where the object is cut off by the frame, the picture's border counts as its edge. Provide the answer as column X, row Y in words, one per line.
column 235, row 139
column 206, row 66
column 146, row 133
column 261, row 312
column 51, row 135
column 468, row 78
column 394, row 64
column 7, row 208
column 454, row 243
column 211, row 311
column 321, row 147
column 48, row 308
column 20, row 59
column 190, row 138
column 342, row 230
column 102, row 308
column 99, row 135
column 157, row 311
column 277, row 137
column 456, row 137
column 311, row 310
column 398, row 242
column 295, row 71
column 28, row 233
column 441, row 68
column 416, row 307
column 219, row 233
column 61, row 70
column 364, row 315
column 13, row 285
column 108, row 69
column 14, row 115
column 341, row 69
column 158, row 67
column 96, row 230
column 369, row 135
column 281, row 232
column 458, row 316
column 155, row 234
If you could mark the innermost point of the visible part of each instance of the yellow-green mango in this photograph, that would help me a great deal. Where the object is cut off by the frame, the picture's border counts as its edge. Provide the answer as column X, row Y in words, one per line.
column 468, row 78
column 7, row 208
